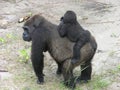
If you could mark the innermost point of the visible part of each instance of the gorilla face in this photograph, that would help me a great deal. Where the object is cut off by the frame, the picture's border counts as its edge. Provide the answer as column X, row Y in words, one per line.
column 26, row 34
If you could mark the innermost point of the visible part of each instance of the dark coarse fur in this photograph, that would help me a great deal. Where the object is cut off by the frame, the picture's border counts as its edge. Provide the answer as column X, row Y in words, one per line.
column 70, row 28
column 45, row 37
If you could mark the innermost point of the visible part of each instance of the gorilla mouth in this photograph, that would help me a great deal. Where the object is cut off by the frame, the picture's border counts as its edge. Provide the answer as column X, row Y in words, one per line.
column 27, row 39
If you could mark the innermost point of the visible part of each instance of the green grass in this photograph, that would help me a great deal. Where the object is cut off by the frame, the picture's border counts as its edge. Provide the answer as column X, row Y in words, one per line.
column 99, row 84
column 2, row 40
column 24, row 55
column 118, row 66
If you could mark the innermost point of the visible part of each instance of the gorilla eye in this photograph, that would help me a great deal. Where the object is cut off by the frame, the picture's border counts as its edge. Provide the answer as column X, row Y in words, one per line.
column 25, row 28
column 61, row 18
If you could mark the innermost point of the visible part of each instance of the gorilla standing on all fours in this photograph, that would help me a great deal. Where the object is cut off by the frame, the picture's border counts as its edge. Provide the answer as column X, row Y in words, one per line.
column 70, row 28
column 45, row 37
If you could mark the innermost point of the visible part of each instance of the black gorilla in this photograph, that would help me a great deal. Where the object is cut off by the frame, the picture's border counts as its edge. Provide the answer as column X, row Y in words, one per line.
column 70, row 28
column 45, row 37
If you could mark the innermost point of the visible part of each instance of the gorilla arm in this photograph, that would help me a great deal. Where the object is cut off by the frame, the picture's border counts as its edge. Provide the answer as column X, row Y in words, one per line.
column 38, row 47
column 62, row 29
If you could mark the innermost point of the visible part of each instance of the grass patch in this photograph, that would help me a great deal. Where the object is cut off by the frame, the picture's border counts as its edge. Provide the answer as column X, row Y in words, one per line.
column 2, row 40
column 100, row 84
column 118, row 66
column 24, row 55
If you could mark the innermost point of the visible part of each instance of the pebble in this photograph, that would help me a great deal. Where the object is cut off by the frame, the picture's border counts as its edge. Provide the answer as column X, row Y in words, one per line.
column 3, row 24
column 4, row 75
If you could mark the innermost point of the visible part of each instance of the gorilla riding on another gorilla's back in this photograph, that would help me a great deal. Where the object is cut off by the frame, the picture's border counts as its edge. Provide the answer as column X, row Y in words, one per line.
column 45, row 37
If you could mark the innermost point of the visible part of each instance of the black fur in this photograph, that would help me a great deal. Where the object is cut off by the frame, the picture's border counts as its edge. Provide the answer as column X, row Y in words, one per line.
column 45, row 37
column 70, row 28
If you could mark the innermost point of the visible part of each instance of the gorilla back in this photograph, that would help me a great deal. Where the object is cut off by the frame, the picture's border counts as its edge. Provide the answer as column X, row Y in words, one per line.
column 45, row 37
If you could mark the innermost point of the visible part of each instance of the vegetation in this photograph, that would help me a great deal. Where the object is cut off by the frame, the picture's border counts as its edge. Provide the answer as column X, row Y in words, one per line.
column 24, row 55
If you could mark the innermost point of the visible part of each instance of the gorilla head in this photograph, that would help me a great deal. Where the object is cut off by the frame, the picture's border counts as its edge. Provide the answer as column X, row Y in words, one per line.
column 30, row 26
column 69, row 17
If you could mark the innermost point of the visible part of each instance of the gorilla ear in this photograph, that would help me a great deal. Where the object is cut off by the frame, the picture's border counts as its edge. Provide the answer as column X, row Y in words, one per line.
column 37, row 22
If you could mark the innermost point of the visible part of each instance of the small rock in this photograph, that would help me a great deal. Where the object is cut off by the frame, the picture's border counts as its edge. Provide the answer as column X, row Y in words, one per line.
column 99, row 51
column 4, row 75
column 26, row 17
column 21, row 20
column 3, row 24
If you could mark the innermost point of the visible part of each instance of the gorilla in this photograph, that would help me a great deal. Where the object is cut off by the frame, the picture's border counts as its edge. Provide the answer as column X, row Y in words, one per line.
column 45, row 37
column 70, row 28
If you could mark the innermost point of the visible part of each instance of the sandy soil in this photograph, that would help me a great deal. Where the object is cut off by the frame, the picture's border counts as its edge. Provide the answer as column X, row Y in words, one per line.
column 101, row 18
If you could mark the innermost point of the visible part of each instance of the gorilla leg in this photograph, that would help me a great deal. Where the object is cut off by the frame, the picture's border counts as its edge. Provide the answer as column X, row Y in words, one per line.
column 37, row 61
column 86, row 71
column 38, row 65
column 81, row 41
column 67, row 71
column 59, row 69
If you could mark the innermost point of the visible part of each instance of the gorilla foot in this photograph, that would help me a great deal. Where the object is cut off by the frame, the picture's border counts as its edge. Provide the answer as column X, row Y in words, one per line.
column 38, row 82
column 70, row 83
column 40, row 79
column 82, row 80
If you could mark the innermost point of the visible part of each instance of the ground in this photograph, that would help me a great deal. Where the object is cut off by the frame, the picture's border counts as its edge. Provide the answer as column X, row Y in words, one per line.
column 100, row 17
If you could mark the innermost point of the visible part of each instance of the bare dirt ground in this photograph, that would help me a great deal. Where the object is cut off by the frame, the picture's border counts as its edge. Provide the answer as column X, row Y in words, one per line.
column 100, row 17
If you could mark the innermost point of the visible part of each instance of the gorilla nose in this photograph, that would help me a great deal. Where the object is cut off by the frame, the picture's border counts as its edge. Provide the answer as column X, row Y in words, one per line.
column 25, row 27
